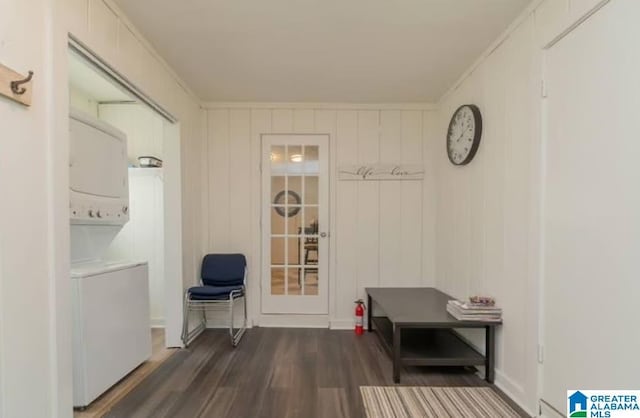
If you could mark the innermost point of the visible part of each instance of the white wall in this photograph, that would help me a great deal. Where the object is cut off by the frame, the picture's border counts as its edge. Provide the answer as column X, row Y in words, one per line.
column 107, row 31
column 488, row 213
column 27, row 308
column 485, row 209
column 381, row 233
column 35, row 352
column 591, row 233
column 144, row 128
column 142, row 238
column 35, row 363
column 79, row 100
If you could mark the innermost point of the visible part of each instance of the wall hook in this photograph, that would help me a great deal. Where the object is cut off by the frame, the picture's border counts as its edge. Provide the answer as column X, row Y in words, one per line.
column 15, row 85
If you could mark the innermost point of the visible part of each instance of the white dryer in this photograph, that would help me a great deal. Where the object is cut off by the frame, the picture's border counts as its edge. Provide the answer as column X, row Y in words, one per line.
column 98, row 173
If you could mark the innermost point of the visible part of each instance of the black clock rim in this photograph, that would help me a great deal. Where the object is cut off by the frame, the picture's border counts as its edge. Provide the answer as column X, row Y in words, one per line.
column 293, row 210
column 477, row 117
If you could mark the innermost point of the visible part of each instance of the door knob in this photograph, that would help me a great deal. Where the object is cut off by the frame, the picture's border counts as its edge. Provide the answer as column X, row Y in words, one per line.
column 323, row 234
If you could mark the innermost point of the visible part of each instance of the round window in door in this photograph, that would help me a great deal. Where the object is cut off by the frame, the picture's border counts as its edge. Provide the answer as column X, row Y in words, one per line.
column 287, row 197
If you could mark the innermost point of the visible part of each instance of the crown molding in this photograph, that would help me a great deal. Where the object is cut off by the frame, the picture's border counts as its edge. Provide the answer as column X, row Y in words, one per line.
column 319, row 106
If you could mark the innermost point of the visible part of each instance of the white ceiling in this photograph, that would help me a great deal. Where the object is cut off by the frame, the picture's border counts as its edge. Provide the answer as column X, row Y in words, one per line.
column 367, row 51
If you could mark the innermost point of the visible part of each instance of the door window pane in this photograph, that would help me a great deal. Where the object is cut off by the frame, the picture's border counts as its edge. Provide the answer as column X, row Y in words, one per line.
column 277, row 156
column 293, row 278
column 294, row 156
column 277, row 281
column 311, row 153
column 293, row 253
column 295, row 190
column 277, row 222
column 310, row 190
column 294, row 224
column 277, row 185
column 310, row 281
column 311, row 225
column 277, row 252
column 311, row 165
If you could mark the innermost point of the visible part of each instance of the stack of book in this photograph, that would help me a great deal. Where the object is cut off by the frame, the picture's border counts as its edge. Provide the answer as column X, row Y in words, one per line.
column 474, row 311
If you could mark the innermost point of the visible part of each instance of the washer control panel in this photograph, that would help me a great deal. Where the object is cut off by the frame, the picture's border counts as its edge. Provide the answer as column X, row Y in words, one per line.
column 93, row 212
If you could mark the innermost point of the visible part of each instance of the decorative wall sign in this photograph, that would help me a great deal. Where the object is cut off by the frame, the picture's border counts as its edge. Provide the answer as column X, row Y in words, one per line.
column 381, row 172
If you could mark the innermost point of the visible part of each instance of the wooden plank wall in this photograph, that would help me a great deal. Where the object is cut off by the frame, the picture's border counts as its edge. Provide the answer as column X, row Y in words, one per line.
column 102, row 26
column 381, row 232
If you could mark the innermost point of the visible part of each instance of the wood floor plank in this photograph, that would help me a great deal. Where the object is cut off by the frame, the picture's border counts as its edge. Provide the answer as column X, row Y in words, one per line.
column 282, row 373
column 219, row 403
column 332, row 403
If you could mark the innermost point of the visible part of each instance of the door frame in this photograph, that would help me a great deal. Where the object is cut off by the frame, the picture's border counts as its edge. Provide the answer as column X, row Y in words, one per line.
column 290, row 316
column 562, row 31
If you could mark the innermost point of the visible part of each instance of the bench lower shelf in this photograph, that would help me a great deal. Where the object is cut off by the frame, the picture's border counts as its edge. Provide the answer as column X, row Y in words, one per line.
column 428, row 347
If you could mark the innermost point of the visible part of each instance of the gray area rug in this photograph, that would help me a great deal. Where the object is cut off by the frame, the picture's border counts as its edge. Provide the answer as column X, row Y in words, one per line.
column 437, row 402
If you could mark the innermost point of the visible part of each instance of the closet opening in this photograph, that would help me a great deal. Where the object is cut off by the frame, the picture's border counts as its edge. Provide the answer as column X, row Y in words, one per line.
column 126, row 256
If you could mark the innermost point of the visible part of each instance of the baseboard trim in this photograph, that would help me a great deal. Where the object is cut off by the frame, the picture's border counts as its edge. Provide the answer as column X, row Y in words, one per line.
column 547, row 411
column 157, row 322
column 508, row 386
column 514, row 391
column 293, row 321
column 218, row 323
column 341, row 324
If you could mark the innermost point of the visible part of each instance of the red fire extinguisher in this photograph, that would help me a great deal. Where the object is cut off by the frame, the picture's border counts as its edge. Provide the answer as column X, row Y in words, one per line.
column 359, row 316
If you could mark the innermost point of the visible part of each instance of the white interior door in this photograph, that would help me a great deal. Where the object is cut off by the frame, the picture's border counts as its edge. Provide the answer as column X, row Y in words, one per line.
column 592, row 206
column 295, row 221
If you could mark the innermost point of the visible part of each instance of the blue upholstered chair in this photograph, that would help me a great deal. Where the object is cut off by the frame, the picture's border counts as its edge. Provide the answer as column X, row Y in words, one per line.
column 223, row 278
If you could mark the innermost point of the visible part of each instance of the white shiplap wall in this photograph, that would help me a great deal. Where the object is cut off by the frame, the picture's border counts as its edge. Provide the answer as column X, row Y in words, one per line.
column 144, row 128
column 381, row 232
column 102, row 26
column 107, row 31
column 35, row 351
column 142, row 238
column 485, row 208
column 79, row 100
column 488, row 213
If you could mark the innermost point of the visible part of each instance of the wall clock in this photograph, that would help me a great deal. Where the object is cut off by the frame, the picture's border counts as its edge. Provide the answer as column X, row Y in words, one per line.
column 463, row 136
column 289, row 197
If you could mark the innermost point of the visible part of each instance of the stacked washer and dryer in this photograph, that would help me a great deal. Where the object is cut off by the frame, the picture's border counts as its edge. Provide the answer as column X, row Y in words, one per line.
column 111, row 323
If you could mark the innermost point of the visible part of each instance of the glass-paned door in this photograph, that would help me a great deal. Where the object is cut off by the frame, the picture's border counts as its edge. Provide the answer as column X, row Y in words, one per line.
column 295, row 214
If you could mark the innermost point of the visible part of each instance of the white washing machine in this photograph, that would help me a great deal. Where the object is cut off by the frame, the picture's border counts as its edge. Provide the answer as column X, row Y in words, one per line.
column 111, row 329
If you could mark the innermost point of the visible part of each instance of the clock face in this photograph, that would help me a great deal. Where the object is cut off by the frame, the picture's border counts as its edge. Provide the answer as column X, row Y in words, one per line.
column 463, row 136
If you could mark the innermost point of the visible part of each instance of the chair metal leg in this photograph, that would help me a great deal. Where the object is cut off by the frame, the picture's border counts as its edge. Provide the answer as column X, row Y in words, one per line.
column 185, row 319
column 231, row 320
column 187, row 336
column 204, row 318
column 236, row 335
column 246, row 317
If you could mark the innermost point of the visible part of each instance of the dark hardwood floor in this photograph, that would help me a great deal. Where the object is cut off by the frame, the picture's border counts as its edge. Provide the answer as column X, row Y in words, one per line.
column 274, row 372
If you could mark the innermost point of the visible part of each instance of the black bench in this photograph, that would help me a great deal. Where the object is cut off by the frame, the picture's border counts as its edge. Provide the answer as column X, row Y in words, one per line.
column 416, row 329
